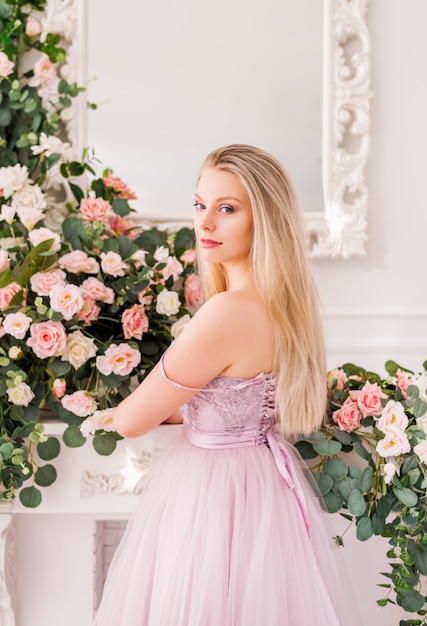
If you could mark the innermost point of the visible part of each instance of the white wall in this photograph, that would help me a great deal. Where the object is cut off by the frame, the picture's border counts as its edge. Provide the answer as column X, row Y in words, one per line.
column 375, row 307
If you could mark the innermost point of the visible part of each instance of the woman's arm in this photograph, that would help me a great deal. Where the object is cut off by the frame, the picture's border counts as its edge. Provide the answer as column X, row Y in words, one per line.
column 208, row 345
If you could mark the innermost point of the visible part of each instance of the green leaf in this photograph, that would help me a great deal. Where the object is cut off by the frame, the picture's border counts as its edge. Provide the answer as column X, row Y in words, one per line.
column 72, row 227
column 104, row 443
column 121, row 207
column 324, row 481
column 48, row 450
column 412, row 601
column 306, row 450
column 333, row 502
column 362, row 451
column 378, row 524
column 420, row 407
column 75, row 168
column 77, row 192
column 336, row 468
column 60, row 368
column 327, row 447
column 364, row 529
column 45, row 475
column 356, row 503
column 405, row 495
column 341, row 435
column 30, row 497
column 367, row 479
column 418, row 553
column 73, row 437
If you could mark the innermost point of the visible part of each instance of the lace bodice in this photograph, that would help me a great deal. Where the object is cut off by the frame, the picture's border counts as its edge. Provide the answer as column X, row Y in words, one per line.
column 233, row 407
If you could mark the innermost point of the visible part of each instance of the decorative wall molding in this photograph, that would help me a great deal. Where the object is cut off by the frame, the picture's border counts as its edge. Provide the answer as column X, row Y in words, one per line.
column 340, row 230
column 7, row 570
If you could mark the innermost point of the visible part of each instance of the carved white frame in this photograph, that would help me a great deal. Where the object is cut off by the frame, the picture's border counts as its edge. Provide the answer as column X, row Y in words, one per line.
column 341, row 229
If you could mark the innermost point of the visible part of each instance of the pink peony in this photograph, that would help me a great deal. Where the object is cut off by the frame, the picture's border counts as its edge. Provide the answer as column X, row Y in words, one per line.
column 80, row 403
column 7, row 293
column 369, row 399
column 96, row 290
column 96, row 209
column 193, row 291
column 118, row 359
column 59, row 387
column 134, row 322
column 6, row 65
column 66, row 299
column 47, row 339
column 78, row 261
column 113, row 264
column 173, row 268
column 42, row 282
column 89, row 311
column 17, row 324
column 118, row 186
column 38, row 235
column 348, row 416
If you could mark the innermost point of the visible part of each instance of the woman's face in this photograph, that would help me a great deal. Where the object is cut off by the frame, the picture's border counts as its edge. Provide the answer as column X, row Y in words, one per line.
column 223, row 220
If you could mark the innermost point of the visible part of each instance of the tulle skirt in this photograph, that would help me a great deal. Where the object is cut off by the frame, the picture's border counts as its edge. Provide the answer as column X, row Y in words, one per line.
column 218, row 539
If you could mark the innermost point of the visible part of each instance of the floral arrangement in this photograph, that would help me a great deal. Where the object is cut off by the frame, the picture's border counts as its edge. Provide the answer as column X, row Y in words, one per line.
column 86, row 309
column 383, row 423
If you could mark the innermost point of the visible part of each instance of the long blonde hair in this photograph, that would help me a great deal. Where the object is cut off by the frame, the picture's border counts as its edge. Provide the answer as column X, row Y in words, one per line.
column 284, row 281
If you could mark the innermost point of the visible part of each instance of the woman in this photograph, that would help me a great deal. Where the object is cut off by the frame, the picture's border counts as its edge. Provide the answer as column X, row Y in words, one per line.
column 228, row 531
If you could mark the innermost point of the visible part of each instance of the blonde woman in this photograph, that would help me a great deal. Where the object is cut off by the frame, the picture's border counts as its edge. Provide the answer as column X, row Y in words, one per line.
column 228, row 531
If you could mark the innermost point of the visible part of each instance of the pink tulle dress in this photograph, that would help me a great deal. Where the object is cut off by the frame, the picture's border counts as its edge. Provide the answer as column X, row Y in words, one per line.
column 228, row 531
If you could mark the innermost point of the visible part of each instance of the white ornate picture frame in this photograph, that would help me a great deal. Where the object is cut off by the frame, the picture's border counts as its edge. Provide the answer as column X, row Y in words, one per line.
column 340, row 230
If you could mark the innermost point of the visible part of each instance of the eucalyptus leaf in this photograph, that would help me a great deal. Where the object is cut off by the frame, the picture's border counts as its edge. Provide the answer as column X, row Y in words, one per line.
column 406, row 496
column 364, row 529
column 333, row 502
column 104, row 443
column 45, row 475
column 48, row 450
column 420, row 407
column 336, row 468
column 412, row 601
column 324, row 481
column 306, row 450
column 73, row 437
column 30, row 497
column 341, row 435
column 327, row 447
column 356, row 503
column 367, row 479
column 121, row 207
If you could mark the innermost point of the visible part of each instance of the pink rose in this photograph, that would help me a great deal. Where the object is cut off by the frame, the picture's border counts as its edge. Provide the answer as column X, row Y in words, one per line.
column 193, row 291
column 95, row 289
column 7, row 293
column 369, row 399
column 120, row 226
column 348, row 416
column 17, row 324
column 100, row 420
column 38, row 235
column 32, row 27
column 118, row 359
column 59, row 387
column 339, row 376
column 118, row 186
column 134, row 322
column 173, row 268
column 6, row 65
column 66, row 299
column 403, row 380
column 96, row 209
column 47, row 339
column 80, row 403
column 89, row 311
column 44, row 73
column 113, row 264
column 78, row 261
column 189, row 256
column 42, row 282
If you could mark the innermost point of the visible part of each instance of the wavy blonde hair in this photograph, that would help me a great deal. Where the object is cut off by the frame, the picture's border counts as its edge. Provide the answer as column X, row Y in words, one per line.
column 282, row 276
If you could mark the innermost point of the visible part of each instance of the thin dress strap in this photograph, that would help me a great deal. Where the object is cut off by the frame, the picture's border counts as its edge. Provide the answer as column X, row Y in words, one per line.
column 172, row 382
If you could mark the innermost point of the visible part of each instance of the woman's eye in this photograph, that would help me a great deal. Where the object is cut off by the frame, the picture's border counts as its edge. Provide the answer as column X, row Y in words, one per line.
column 226, row 208
column 199, row 206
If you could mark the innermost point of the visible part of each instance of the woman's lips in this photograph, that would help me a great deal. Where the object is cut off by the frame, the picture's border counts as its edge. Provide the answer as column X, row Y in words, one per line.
column 209, row 243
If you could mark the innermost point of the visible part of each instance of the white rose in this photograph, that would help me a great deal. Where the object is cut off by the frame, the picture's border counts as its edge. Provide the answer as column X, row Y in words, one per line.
column 30, row 196
column 161, row 254
column 113, row 264
column 389, row 471
column 17, row 324
column 421, row 383
column 15, row 353
column 394, row 443
column 66, row 299
column 168, row 303
column 421, row 451
column 13, row 178
column 79, row 349
column 139, row 257
column 179, row 325
column 393, row 415
column 49, row 144
column 20, row 395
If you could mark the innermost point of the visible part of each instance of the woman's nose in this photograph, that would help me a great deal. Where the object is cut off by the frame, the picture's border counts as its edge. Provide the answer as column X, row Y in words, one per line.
column 206, row 222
